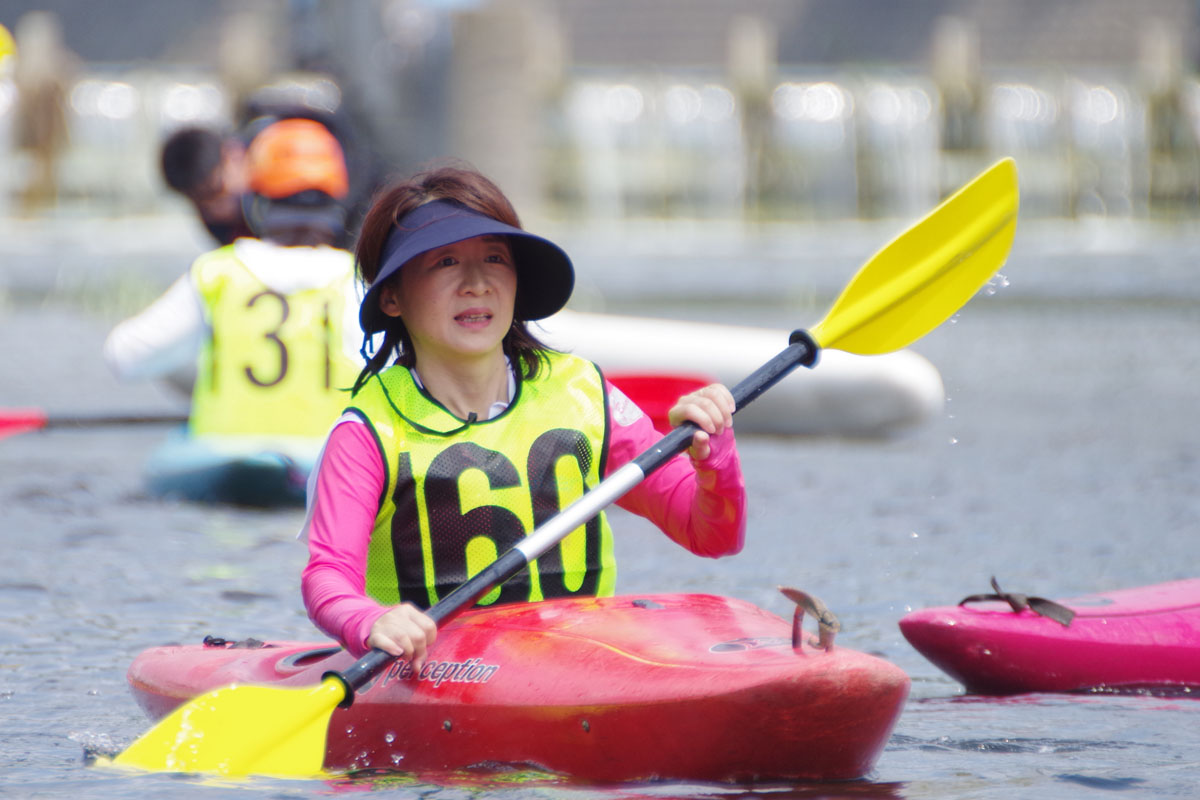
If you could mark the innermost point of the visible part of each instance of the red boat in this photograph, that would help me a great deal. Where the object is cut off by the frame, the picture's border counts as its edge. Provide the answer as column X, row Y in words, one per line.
column 634, row 688
column 1132, row 639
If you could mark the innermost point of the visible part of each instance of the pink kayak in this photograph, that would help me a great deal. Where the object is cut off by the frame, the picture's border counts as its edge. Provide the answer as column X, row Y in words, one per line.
column 675, row 686
column 1125, row 640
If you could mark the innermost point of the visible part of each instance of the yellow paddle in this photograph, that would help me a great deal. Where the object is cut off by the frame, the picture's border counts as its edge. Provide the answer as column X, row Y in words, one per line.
column 928, row 272
column 906, row 290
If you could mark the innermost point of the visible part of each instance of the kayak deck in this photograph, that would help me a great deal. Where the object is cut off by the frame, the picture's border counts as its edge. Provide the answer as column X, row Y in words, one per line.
column 687, row 687
column 1145, row 638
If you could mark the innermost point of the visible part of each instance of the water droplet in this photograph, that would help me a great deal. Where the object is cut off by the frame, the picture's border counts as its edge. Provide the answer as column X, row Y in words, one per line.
column 997, row 283
column 397, row 758
column 389, row 737
column 953, row 440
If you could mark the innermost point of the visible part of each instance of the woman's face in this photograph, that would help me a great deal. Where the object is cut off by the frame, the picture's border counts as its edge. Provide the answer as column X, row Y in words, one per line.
column 219, row 197
column 456, row 301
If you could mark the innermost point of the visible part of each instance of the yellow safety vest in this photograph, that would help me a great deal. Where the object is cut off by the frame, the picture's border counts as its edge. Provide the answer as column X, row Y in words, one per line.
column 274, row 364
column 459, row 494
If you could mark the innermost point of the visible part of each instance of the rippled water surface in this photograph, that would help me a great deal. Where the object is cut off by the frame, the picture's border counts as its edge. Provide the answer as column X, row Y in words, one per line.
column 1066, row 462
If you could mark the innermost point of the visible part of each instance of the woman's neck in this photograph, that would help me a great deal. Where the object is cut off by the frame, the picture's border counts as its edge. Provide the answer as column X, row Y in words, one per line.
column 466, row 388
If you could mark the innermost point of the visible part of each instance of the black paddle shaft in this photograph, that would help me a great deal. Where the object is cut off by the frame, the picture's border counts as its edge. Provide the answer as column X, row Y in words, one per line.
column 802, row 350
column 114, row 420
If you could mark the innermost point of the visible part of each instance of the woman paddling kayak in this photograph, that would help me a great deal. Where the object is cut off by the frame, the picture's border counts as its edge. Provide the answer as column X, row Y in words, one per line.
column 465, row 432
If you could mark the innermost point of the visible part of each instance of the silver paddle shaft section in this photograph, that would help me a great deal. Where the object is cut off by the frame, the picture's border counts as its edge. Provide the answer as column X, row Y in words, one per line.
column 548, row 534
column 555, row 529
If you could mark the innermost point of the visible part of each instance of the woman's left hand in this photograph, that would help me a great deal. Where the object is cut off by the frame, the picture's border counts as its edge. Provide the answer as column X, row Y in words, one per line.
column 711, row 409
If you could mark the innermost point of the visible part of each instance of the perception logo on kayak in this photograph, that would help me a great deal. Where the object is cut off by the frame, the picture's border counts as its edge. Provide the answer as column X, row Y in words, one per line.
column 750, row 643
column 470, row 671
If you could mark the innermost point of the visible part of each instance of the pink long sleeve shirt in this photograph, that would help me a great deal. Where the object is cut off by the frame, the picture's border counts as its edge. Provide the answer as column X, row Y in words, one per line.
column 700, row 505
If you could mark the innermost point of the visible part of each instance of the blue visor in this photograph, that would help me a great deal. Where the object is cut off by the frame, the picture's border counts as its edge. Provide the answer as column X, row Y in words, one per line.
column 545, row 276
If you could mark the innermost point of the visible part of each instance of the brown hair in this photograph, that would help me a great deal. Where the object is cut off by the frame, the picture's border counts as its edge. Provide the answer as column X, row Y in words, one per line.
column 388, row 207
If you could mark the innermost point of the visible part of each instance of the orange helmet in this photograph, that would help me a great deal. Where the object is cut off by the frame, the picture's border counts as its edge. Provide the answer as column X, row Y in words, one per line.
column 296, row 155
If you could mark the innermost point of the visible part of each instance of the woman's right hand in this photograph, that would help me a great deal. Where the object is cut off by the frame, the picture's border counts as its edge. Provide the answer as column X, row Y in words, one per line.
column 404, row 630
column 711, row 409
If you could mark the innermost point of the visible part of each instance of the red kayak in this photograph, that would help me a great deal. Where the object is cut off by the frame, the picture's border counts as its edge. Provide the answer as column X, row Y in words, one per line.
column 1131, row 639
column 674, row 686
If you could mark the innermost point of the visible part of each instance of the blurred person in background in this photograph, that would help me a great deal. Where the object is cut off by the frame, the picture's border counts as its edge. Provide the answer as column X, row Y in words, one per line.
column 364, row 170
column 270, row 322
column 209, row 169
column 8, row 52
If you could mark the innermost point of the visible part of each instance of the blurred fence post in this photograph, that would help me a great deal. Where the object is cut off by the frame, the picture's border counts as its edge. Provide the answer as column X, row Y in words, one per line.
column 43, row 77
column 1173, row 160
column 505, row 56
column 752, row 68
column 956, row 74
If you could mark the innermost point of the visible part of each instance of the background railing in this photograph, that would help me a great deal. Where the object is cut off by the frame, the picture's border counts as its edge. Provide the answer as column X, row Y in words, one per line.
column 744, row 140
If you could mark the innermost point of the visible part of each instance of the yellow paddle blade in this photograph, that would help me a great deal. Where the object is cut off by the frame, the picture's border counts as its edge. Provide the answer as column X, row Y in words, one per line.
column 928, row 272
column 242, row 730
